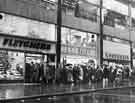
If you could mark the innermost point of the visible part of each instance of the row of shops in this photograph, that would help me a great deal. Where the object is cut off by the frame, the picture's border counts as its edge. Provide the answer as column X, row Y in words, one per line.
column 24, row 42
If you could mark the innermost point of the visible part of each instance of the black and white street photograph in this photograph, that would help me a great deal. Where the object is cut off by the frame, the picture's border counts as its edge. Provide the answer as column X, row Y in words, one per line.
column 67, row 51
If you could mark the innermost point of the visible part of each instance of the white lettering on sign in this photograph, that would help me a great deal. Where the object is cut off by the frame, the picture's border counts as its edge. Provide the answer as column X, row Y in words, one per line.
column 82, row 51
column 116, row 56
column 25, row 44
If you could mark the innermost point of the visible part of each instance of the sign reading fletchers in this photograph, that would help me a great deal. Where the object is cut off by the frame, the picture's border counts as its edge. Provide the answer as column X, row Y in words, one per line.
column 17, row 43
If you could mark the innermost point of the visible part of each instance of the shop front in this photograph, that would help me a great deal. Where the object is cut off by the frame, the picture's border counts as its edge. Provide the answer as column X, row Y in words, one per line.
column 27, row 49
column 116, row 53
column 78, row 47
column 19, row 57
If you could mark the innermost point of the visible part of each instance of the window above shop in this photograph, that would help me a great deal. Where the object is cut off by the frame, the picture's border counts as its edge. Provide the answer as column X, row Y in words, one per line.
column 97, row 2
column 78, row 38
column 116, row 6
column 115, row 19
column 87, row 11
column 19, row 26
column 50, row 0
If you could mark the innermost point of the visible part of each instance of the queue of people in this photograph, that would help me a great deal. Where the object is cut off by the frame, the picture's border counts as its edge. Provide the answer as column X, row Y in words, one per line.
column 89, row 73
column 77, row 73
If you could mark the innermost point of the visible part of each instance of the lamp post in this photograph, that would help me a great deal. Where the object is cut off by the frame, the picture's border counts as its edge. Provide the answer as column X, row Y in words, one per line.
column 130, row 27
column 101, row 33
column 58, row 44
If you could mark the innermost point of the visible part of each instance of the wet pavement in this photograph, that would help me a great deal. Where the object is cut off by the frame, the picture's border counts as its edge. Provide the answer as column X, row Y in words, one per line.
column 69, row 93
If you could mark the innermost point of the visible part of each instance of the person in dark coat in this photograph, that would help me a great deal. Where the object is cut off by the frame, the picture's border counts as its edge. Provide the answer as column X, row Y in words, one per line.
column 105, row 75
column 112, row 74
column 63, row 75
column 86, row 74
column 41, row 73
column 28, row 73
column 92, row 74
column 76, row 74
column 99, row 74
column 35, row 77
column 105, row 72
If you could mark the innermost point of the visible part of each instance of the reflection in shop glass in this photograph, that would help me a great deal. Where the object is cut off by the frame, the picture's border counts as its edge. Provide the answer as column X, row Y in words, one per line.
column 25, row 43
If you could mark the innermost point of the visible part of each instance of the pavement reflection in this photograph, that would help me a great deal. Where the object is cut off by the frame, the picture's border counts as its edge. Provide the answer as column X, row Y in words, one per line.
column 14, row 91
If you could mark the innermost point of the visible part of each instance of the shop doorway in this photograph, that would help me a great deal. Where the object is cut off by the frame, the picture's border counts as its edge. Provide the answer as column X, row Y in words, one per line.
column 33, row 68
column 39, row 68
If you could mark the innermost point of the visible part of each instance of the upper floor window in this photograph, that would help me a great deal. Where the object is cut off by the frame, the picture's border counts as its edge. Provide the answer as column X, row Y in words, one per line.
column 96, row 2
column 15, row 25
column 115, row 19
column 116, row 6
column 78, row 38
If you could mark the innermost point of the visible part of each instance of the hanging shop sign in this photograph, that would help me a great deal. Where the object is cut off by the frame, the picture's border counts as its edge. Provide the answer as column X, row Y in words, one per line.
column 81, row 51
column 116, row 56
column 17, row 43
column 116, row 51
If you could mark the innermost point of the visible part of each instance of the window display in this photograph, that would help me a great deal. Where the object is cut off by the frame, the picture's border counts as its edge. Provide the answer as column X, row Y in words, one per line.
column 77, row 46
column 11, row 65
column 77, row 38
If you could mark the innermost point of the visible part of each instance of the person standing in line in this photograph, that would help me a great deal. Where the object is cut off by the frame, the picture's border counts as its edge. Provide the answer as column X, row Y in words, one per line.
column 81, row 73
column 32, row 66
column 99, row 74
column 36, row 73
column 105, row 75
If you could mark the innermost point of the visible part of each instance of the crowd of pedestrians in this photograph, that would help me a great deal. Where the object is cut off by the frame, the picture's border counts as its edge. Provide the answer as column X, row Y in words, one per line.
column 89, row 73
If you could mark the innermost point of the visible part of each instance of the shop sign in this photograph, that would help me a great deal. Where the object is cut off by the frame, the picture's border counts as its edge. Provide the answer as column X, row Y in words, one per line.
column 117, row 51
column 17, row 43
column 81, row 51
column 116, row 56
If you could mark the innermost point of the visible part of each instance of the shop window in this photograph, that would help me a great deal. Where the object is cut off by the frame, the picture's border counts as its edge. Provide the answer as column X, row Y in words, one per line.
column 11, row 65
column 78, row 38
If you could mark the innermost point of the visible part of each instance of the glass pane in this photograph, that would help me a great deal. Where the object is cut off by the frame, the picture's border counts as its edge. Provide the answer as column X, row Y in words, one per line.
column 115, row 19
column 81, row 9
column 11, row 65
column 97, row 2
column 19, row 26
column 78, row 38
column 116, row 6
column 85, row 10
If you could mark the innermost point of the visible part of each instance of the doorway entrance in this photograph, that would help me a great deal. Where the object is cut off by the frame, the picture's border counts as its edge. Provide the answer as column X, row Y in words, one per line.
column 39, row 68
column 33, row 67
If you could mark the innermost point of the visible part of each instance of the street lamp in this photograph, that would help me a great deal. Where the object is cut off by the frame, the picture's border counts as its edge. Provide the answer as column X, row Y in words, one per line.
column 101, row 33
column 58, row 44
